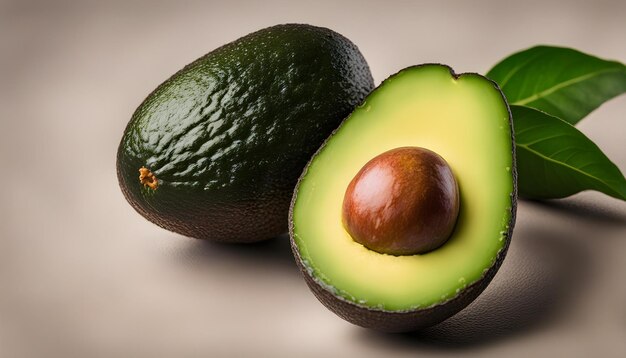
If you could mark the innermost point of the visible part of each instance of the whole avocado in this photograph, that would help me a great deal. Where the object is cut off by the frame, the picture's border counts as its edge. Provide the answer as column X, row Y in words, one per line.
column 216, row 150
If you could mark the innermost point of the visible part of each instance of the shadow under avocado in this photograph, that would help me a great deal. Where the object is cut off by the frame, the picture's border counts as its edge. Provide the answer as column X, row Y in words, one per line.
column 582, row 209
column 273, row 255
column 540, row 276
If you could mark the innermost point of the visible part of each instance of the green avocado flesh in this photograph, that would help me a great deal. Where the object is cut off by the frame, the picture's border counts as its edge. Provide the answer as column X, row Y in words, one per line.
column 466, row 121
column 224, row 140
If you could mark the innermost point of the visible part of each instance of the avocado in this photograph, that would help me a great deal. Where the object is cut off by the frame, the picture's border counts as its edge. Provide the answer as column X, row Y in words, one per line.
column 465, row 120
column 215, row 151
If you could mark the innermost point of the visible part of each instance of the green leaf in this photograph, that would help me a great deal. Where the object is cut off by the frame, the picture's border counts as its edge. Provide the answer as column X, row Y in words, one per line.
column 559, row 81
column 555, row 160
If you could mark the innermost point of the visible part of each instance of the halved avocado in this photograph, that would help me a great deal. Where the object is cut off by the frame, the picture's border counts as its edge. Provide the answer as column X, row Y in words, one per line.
column 466, row 120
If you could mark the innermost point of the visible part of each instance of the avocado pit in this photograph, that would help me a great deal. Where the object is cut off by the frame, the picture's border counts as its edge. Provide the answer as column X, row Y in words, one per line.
column 402, row 202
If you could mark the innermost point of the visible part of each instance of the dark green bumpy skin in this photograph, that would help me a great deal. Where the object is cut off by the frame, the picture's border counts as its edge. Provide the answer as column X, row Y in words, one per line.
column 228, row 135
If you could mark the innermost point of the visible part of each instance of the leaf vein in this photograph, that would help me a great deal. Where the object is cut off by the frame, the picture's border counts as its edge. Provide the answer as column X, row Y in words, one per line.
column 543, row 139
column 568, row 166
column 522, row 131
column 559, row 86
column 508, row 77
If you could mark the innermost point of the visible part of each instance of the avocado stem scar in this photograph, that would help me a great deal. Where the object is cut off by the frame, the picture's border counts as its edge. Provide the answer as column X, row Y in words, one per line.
column 147, row 178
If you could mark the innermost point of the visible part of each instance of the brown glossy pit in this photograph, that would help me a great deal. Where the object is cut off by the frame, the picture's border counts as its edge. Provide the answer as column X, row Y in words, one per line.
column 402, row 202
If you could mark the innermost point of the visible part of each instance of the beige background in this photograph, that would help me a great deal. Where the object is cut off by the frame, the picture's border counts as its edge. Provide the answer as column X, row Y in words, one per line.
column 83, row 275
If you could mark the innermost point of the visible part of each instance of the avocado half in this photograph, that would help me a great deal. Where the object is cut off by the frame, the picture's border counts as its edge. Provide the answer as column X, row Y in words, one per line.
column 216, row 150
column 465, row 119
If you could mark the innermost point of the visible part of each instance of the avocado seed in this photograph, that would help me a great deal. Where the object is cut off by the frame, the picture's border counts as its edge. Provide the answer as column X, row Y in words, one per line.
column 402, row 202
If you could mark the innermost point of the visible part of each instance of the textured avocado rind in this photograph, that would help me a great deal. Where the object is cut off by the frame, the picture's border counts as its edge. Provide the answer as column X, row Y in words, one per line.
column 229, row 134
column 408, row 320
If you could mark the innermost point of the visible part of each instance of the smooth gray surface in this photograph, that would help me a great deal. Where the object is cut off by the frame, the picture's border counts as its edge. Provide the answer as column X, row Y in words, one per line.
column 83, row 275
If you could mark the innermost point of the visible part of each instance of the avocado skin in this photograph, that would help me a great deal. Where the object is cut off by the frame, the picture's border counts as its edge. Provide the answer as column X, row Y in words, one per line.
column 410, row 320
column 228, row 135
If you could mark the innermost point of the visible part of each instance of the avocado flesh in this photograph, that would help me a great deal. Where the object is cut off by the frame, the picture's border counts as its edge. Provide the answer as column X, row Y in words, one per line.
column 464, row 119
column 228, row 135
